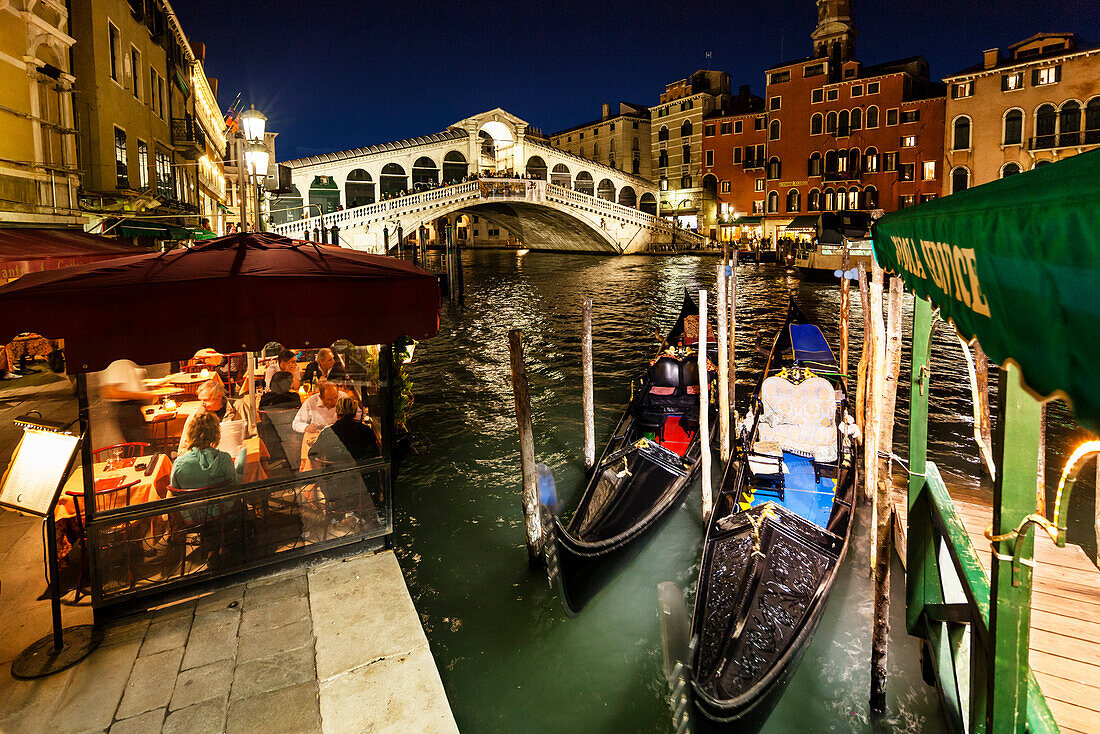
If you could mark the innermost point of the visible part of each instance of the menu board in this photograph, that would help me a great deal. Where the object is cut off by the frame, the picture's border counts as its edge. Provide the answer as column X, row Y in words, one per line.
column 36, row 471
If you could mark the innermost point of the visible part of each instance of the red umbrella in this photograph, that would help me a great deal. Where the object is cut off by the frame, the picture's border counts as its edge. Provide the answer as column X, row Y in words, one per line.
column 29, row 250
column 234, row 293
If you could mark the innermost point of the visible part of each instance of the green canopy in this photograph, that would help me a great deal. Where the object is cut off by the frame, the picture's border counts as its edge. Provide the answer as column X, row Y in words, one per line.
column 1016, row 263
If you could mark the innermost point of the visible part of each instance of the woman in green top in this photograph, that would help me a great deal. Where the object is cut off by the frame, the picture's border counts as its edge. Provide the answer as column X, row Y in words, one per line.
column 203, row 465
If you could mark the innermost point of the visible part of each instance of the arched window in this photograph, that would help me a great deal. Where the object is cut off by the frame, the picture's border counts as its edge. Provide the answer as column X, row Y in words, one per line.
column 536, row 167
column 424, row 173
column 960, row 133
column 830, row 123
column 584, row 183
column 1010, row 169
column 793, row 203
column 870, row 160
column 628, row 197
column 685, row 182
column 634, row 144
column 595, row 151
column 648, row 204
column 813, row 167
column 662, row 159
column 560, row 175
column 817, row 123
column 1040, row 164
column 960, row 179
column 854, row 162
column 580, row 151
column 857, row 119
column 1046, row 123
column 606, row 190
column 853, row 198
column 685, row 129
column 870, row 198
column 830, row 200
column 775, row 168
column 454, row 167
column 392, row 180
column 1013, row 127
column 662, row 134
column 843, row 126
column 773, row 202
column 813, row 200
column 773, row 130
column 872, row 116
column 359, row 189
column 830, row 162
column 1092, row 121
column 841, row 199
column 1069, row 124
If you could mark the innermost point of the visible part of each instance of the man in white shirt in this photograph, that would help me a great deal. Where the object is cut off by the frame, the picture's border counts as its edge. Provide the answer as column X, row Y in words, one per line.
column 318, row 411
column 287, row 361
column 121, row 387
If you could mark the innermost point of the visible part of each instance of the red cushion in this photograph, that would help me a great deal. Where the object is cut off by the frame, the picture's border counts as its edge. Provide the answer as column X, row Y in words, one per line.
column 673, row 437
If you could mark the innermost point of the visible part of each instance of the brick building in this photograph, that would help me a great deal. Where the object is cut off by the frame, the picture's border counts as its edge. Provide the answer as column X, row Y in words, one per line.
column 837, row 136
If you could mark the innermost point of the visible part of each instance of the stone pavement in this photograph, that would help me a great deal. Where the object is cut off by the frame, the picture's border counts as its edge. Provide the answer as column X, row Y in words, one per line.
column 335, row 647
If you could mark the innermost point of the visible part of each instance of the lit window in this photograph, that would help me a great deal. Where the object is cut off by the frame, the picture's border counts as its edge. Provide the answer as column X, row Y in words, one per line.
column 725, row 187
column 962, row 90
column 143, row 165
column 1049, row 75
column 759, row 184
column 928, row 171
column 1012, row 82
column 121, row 174
column 909, row 141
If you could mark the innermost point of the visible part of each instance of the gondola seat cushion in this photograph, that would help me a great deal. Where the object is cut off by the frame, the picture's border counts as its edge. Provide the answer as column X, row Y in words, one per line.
column 800, row 418
column 671, row 388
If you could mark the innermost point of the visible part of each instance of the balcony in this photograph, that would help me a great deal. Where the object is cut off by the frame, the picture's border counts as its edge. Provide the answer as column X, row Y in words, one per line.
column 1074, row 139
column 841, row 176
column 188, row 137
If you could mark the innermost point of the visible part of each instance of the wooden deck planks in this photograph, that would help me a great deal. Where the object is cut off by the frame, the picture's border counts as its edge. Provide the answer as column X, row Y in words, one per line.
column 1065, row 619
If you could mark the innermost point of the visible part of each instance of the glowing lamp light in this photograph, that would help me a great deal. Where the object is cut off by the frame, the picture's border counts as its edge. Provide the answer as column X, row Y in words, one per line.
column 253, row 122
column 205, row 373
column 256, row 156
column 169, row 404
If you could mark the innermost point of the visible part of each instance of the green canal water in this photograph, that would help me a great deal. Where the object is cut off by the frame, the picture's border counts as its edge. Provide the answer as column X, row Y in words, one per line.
column 510, row 659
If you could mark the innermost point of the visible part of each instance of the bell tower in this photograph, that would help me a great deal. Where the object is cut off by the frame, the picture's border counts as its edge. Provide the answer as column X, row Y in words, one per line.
column 835, row 35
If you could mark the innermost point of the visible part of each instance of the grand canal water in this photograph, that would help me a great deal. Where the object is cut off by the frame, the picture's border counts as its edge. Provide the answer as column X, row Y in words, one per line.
column 511, row 661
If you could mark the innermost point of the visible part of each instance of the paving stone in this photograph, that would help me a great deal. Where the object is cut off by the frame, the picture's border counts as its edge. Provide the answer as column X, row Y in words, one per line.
column 129, row 629
column 93, row 690
column 213, row 637
column 174, row 610
column 148, row 723
column 166, row 634
column 276, row 614
column 268, row 591
column 391, row 696
column 274, row 642
column 280, row 671
column 202, row 718
column 26, row 704
column 151, row 683
column 293, row 710
column 220, row 599
column 203, row 684
column 356, row 606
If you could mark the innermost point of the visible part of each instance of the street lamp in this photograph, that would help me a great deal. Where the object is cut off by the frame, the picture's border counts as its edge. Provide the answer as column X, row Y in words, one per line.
column 254, row 157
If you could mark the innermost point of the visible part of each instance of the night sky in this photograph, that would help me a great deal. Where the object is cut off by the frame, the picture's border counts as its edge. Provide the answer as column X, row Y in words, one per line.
column 340, row 74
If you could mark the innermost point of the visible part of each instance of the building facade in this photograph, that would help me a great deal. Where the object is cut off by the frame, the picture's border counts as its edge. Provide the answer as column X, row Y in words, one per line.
column 1012, row 112
column 145, row 114
column 620, row 141
column 837, row 136
column 39, row 178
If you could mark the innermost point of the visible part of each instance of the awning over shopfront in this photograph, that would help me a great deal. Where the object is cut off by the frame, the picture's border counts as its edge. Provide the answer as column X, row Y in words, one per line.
column 804, row 223
column 1016, row 263
column 234, row 293
column 748, row 220
column 30, row 250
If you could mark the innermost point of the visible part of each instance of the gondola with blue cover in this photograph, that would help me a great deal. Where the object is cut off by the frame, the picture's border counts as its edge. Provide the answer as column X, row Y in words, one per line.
column 644, row 471
column 775, row 541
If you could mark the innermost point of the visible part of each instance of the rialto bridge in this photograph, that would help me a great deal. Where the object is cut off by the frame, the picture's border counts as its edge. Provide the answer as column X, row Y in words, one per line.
column 547, row 198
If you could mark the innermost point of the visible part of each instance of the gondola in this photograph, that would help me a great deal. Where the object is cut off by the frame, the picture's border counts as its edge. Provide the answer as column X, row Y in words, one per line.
column 644, row 471
column 775, row 541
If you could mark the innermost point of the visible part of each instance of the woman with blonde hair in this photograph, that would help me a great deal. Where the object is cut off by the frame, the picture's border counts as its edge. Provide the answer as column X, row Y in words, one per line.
column 202, row 464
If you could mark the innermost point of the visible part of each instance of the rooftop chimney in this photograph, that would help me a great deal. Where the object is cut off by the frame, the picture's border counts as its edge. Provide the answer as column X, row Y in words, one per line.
column 744, row 91
column 606, row 110
column 991, row 57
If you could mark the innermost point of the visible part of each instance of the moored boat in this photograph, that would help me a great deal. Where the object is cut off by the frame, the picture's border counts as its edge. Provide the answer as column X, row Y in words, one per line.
column 645, row 470
column 775, row 541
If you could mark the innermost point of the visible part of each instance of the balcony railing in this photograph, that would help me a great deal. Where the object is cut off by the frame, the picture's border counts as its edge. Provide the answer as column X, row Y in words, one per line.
column 1065, row 140
column 841, row 176
column 188, row 137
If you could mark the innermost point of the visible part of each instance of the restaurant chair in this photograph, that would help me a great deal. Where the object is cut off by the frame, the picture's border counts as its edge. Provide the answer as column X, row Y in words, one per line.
column 130, row 450
column 206, row 531
column 107, row 496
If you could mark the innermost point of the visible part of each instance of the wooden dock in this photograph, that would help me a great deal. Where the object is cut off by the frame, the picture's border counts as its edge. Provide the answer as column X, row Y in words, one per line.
column 1065, row 614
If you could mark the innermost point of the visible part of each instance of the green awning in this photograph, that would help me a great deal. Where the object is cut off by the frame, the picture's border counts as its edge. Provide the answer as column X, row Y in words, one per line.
column 135, row 228
column 222, row 206
column 1016, row 263
column 748, row 220
column 804, row 223
column 198, row 233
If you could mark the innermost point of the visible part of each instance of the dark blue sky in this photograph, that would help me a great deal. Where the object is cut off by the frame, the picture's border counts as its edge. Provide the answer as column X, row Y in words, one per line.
column 338, row 74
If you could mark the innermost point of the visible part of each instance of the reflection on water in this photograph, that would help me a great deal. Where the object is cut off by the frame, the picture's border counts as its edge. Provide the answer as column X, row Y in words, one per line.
column 510, row 659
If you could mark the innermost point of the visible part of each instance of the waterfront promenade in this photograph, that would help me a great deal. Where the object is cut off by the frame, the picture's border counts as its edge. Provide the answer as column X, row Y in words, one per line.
column 332, row 646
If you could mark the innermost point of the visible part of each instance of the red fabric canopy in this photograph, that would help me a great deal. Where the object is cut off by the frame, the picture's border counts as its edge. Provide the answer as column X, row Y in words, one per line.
column 234, row 293
column 29, row 250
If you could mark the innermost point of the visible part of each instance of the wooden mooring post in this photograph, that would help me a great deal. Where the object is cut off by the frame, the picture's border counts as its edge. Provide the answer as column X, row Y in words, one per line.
column 864, row 356
column 522, row 394
column 587, row 402
column 731, row 296
column 885, row 404
column 875, row 352
column 845, row 307
column 723, row 368
column 704, row 408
